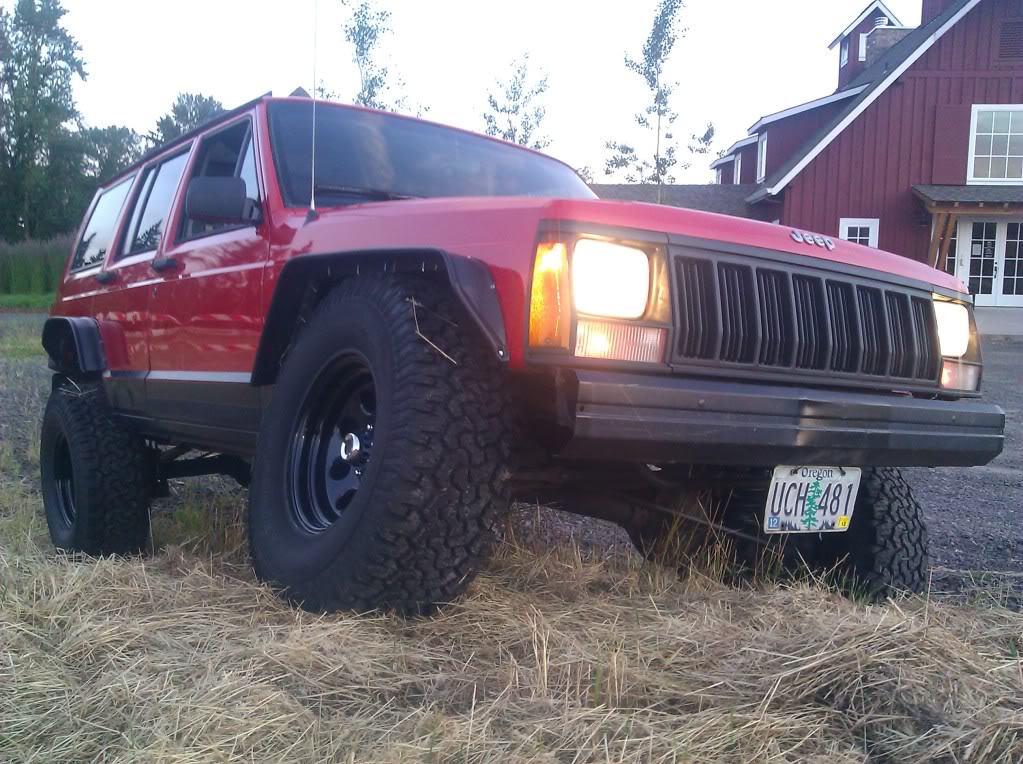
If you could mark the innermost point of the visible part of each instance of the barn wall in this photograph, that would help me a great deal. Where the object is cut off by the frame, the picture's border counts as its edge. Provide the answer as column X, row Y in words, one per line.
column 903, row 138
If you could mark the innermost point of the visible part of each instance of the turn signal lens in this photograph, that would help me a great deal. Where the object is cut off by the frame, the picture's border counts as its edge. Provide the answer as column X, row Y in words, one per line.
column 953, row 320
column 550, row 307
column 620, row 342
column 956, row 375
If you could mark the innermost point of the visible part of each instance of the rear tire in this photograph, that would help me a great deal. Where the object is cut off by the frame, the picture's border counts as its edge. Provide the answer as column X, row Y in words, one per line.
column 95, row 481
column 404, row 513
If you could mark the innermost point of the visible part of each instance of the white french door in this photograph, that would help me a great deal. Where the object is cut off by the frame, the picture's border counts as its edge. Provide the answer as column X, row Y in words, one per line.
column 989, row 259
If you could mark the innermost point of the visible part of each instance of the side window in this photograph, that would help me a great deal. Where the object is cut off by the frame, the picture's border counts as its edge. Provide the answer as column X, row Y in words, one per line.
column 226, row 154
column 153, row 205
column 99, row 232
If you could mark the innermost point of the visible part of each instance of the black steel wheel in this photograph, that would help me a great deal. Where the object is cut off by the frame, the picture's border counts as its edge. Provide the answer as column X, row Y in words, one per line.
column 64, row 479
column 331, row 446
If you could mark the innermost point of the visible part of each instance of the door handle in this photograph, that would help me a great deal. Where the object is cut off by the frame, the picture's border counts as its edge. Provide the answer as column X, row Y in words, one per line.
column 106, row 277
column 164, row 264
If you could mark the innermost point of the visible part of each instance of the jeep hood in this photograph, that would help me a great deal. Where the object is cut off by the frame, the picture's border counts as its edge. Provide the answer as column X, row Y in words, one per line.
column 479, row 225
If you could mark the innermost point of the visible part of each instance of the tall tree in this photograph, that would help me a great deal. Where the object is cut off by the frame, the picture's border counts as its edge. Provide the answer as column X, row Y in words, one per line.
column 110, row 149
column 366, row 27
column 516, row 117
column 39, row 62
column 639, row 166
column 188, row 112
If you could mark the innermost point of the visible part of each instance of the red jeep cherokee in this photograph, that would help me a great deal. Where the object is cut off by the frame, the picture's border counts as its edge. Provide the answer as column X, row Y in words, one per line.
column 389, row 344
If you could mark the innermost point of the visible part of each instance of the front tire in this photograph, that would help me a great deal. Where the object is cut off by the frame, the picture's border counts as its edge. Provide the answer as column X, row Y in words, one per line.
column 883, row 553
column 381, row 472
column 95, row 482
column 885, row 550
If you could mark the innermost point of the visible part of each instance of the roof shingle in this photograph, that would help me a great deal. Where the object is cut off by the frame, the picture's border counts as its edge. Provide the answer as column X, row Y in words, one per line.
column 723, row 199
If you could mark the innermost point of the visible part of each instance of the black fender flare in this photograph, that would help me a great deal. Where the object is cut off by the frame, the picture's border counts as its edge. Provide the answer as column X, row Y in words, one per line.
column 74, row 346
column 303, row 279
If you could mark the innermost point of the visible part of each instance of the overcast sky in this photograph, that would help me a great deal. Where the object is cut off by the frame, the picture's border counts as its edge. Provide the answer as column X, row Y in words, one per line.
column 738, row 60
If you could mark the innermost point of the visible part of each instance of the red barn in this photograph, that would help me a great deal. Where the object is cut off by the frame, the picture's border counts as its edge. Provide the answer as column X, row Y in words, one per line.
column 919, row 151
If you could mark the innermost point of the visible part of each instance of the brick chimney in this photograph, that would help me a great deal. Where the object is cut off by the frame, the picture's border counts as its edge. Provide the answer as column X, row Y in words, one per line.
column 933, row 9
column 881, row 40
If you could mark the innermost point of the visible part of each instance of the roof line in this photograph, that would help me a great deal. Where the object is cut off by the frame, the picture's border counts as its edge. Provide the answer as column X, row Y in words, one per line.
column 722, row 160
column 187, row 136
column 808, row 106
column 862, row 106
column 728, row 156
column 859, row 20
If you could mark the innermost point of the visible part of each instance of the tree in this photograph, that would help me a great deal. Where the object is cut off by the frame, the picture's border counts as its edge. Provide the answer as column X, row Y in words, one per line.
column 188, row 112
column 364, row 30
column 39, row 62
column 110, row 149
column 517, row 119
column 658, row 115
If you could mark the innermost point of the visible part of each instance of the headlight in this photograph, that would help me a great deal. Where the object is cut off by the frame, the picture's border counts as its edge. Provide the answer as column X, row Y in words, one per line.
column 610, row 280
column 953, row 320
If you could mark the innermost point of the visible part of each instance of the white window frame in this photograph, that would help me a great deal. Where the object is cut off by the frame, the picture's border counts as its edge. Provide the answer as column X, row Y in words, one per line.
column 971, row 179
column 737, row 170
column 720, row 177
column 762, row 158
column 863, row 47
column 844, row 52
column 874, row 224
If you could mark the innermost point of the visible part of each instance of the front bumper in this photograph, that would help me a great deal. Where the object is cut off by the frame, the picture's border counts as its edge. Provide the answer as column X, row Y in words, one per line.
column 649, row 419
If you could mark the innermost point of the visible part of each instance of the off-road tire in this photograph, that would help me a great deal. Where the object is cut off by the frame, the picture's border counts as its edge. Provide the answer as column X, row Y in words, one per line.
column 110, row 488
column 884, row 552
column 435, row 488
column 885, row 549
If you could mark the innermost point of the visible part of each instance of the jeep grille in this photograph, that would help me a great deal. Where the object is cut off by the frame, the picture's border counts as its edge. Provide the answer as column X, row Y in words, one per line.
column 740, row 312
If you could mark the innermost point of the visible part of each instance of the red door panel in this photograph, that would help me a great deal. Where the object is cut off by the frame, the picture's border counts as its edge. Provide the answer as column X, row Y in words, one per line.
column 207, row 315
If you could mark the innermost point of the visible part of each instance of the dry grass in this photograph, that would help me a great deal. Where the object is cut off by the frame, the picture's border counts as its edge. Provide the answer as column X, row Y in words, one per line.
column 552, row 657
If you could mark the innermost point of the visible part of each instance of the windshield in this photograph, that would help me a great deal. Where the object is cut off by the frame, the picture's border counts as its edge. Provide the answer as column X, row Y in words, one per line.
column 392, row 157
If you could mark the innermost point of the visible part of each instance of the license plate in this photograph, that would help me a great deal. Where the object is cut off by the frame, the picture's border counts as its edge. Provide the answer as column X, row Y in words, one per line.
column 811, row 499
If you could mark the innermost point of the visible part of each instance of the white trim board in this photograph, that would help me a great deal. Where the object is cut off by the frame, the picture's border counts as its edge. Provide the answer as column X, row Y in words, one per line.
column 808, row 106
column 866, row 103
column 877, row 5
column 721, row 161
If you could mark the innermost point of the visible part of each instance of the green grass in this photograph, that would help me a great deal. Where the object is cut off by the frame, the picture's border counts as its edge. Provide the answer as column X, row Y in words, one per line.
column 33, row 267
column 26, row 301
column 19, row 340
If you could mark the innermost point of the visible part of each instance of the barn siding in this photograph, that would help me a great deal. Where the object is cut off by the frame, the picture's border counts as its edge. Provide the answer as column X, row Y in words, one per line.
column 787, row 136
column 749, row 164
column 869, row 170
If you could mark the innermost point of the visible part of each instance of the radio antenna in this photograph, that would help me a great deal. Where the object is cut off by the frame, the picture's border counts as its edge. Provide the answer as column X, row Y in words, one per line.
column 312, row 214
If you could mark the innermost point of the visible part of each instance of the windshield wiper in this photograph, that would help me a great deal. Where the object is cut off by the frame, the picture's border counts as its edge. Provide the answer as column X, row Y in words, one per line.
column 373, row 194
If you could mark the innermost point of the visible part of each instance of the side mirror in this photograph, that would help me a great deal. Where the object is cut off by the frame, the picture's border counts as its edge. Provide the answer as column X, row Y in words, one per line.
column 220, row 200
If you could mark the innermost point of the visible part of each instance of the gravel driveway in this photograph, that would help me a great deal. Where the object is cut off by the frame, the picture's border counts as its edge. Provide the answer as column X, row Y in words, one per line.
column 975, row 515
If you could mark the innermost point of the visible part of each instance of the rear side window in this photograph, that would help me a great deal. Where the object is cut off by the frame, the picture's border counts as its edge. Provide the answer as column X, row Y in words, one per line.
column 99, row 232
column 153, row 205
column 226, row 154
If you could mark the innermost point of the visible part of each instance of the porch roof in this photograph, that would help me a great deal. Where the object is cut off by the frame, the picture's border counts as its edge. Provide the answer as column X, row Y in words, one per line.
column 947, row 197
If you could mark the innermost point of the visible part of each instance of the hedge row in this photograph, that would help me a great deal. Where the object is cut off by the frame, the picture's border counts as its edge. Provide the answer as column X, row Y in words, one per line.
column 33, row 267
